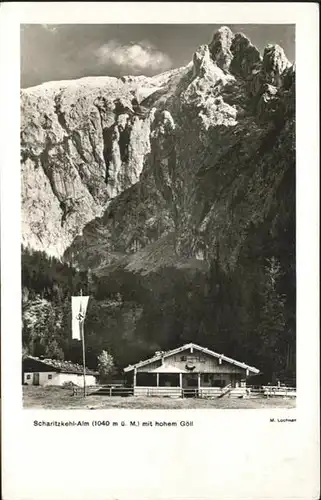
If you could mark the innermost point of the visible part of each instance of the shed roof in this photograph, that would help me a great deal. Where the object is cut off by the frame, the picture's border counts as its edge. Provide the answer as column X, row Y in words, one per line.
column 166, row 354
column 61, row 366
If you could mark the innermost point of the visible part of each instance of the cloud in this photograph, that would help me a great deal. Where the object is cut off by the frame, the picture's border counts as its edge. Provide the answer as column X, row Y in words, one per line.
column 134, row 57
column 50, row 27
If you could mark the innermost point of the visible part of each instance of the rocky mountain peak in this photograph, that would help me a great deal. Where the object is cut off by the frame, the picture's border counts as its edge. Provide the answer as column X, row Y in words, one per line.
column 220, row 47
column 274, row 64
column 234, row 52
column 201, row 60
column 204, row 67
column 246, row 57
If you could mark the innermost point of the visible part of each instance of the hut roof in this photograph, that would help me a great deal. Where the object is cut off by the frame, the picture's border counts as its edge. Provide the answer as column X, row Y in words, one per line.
column 61, row 366
column 166, row 354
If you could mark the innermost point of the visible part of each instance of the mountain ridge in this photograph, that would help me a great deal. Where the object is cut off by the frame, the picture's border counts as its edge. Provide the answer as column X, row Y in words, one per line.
column 75, row 133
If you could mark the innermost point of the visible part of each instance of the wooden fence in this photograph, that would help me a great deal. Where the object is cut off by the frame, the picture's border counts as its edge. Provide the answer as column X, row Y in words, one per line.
column 103, row 391
column 273, row 391
column 203, row 392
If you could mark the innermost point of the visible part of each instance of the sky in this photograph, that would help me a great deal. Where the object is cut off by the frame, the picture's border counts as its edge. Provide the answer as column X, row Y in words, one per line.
column 63, row 52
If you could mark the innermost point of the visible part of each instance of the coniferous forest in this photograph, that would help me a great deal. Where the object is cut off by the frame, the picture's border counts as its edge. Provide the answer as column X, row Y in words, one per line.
column 245, row 313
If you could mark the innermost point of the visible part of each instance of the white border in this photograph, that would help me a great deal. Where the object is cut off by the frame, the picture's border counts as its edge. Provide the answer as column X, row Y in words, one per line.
column 227, row 454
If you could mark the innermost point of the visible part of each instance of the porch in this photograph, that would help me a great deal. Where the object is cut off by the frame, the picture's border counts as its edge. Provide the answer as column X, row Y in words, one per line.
column 185, row 384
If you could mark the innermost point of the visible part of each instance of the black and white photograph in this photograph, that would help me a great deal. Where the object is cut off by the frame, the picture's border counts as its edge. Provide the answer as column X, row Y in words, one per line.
column 158, row 203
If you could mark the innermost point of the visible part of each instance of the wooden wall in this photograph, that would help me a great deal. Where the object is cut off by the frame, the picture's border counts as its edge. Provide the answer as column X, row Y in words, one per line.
column 203, row 362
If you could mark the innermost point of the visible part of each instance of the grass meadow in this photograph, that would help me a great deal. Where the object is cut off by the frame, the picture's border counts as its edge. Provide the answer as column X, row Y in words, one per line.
column 58, row 398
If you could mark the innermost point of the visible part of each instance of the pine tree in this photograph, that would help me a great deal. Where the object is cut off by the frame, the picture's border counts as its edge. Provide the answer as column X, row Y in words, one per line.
column 272, row 325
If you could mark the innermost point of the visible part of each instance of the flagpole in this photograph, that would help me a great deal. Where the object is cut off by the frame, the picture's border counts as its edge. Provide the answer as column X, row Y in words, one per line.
column 83, row 349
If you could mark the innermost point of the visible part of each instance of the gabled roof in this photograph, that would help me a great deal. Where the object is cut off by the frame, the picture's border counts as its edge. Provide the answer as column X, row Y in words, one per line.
column 61, row 366
column 166, row 354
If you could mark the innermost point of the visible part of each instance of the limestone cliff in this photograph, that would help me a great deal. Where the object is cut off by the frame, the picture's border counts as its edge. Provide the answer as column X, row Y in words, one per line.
column 82, row 143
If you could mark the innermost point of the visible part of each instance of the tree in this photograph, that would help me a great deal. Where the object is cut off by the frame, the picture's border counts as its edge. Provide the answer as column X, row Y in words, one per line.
column 25, row 352
column 53, row 350
column 106, row 365
column 272, row 325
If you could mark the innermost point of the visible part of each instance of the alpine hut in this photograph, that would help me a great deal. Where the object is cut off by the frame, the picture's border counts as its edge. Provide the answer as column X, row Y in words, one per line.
column 189, row 370
column 45, row 371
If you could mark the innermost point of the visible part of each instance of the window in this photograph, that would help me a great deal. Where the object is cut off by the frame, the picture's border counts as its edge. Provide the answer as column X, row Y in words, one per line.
column 49, row 376
column 144, row 379
column 28, row 377
column 183, row 358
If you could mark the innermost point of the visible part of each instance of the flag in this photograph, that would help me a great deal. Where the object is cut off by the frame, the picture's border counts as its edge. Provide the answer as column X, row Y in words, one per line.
column 79, row 308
